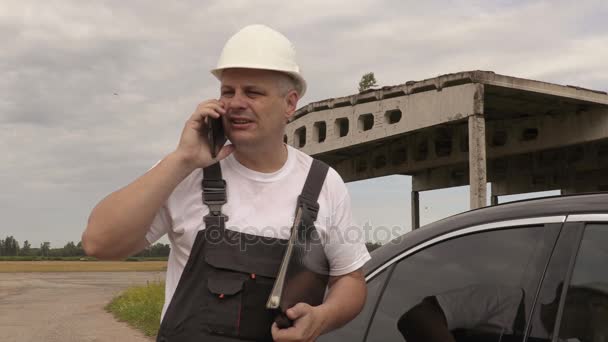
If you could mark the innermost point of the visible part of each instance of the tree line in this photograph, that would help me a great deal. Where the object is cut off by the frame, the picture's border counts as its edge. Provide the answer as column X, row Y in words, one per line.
column 9, row 246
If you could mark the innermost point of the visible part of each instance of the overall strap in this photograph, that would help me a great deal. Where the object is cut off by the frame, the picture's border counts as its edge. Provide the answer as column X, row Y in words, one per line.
column 312, row 188
column 214, row 193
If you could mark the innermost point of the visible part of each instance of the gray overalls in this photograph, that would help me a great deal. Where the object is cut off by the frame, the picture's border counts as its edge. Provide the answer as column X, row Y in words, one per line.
column 222, row 292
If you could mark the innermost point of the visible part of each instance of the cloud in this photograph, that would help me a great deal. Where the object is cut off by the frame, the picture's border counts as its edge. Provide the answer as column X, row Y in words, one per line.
column 94, row 93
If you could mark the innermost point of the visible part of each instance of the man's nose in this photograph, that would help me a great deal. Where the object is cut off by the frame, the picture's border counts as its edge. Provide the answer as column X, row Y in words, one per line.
column 236, row 102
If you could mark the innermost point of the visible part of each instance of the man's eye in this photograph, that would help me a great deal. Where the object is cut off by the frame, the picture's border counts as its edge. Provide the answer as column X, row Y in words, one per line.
column 226, row 93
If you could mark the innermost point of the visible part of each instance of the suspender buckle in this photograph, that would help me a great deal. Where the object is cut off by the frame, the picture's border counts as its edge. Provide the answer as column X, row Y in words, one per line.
column 311, row 206
column 216, row 210
column 214, row 196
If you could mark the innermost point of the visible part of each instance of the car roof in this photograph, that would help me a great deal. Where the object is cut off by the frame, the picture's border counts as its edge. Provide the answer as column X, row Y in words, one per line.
column 537, row 207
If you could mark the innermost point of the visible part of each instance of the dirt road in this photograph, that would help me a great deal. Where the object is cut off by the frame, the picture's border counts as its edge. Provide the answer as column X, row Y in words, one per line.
column 66, row 307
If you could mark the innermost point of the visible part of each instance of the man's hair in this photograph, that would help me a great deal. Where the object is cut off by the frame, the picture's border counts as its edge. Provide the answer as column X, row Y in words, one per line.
column 286, row 83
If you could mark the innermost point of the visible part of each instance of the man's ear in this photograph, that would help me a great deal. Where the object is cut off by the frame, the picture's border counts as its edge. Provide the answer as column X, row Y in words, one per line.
column 291, row 100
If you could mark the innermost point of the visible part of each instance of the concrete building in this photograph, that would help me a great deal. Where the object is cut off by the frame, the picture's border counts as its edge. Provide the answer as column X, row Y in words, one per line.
column 467, row 128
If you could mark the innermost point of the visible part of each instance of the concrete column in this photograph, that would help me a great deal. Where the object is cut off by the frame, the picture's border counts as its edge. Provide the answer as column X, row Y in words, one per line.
column 477, row 160
column 415, row 210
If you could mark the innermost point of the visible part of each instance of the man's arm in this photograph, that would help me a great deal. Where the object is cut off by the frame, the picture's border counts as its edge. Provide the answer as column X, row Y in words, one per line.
column 118, row 225
column 343, row 303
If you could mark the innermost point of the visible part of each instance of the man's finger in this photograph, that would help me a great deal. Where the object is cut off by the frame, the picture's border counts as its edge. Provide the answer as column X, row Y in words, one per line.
column 274, row 329
column 212, row 104
column 213, row 110
column 298, row 311
column 225, row 151
column 278, row 335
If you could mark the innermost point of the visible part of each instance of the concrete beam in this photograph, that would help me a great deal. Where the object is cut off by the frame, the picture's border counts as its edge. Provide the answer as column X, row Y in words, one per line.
column 459, row 78
column 546, row 132
column 519, row 136
column 369, row 122
column 441, row 178
column 574, row 181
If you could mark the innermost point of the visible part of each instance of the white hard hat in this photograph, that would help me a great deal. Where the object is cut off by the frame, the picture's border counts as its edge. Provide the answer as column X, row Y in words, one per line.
column 260, row 47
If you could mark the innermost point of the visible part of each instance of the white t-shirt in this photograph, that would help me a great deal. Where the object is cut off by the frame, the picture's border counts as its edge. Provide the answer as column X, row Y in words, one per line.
column 483, row 307
column 260, row 204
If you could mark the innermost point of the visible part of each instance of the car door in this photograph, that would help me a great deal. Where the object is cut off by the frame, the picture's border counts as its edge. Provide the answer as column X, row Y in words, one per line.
column 474, row 284
column 573, row 301
column 354, row 331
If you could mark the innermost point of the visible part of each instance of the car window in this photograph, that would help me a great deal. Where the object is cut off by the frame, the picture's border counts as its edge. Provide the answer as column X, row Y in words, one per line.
column 542, row 320
column 355, row 329
column 472, row 287
column 585, row 312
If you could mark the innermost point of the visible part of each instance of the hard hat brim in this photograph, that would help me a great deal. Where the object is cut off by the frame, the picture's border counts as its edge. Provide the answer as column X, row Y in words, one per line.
column 301, row 83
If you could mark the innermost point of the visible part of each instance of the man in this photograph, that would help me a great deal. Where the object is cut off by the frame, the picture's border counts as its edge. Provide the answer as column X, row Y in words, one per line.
column 489, row 312
column 260, row 87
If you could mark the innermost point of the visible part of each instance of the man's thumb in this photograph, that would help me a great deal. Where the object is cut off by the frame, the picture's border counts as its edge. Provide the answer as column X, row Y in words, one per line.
column 297, row 311
column 225, row 151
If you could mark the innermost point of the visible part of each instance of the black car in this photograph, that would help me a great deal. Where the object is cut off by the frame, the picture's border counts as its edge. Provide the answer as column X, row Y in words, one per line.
column 533, row 270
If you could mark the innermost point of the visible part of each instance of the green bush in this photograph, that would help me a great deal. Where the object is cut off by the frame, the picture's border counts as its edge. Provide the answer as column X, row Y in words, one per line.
column 140, row 307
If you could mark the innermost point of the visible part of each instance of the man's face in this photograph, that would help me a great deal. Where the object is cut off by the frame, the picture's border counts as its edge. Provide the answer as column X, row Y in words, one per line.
column 256, row 107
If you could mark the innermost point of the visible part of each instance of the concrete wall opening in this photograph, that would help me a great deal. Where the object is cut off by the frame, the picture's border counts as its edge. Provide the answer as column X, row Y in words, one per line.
column 392, row 116
column 361, row 165
column 341, row 127
column 399, row 156
column 300, row 136
column 366, row 122
column 443, row 142
column 380, row 161
column 529, row 134
column 422, row 150
column 320, row 131
column 464, row 142
column 499, row 138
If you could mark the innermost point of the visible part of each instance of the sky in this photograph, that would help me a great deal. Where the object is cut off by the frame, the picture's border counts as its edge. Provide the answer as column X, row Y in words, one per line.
column 94, row 93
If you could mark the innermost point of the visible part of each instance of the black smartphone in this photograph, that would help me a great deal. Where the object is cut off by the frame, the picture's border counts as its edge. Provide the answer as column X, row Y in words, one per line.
column 217, row 137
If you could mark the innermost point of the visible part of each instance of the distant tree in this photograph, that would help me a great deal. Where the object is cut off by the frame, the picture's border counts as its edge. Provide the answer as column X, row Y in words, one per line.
column 160, row 250
column 26, row 249
column 367, row 81
column 156, row 250
column 10, row 246
column 45, row 248
column 16, row 249
column 1, row 247
column 70, row 249
column 79, row 249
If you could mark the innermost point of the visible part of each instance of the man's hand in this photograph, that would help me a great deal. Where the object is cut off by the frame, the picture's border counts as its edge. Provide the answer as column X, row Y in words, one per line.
column 344, row 301
column 193, row 145
column 307, row 326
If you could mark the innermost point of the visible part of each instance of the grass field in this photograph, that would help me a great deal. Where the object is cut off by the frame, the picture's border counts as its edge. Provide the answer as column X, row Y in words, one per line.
column 140, row 307
column 81, row 266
